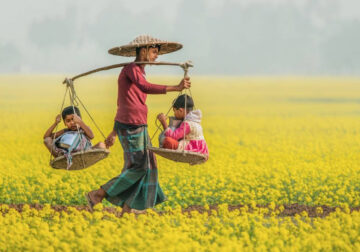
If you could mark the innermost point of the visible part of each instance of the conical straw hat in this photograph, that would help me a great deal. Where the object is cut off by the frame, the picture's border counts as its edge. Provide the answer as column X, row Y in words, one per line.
column 129, row 50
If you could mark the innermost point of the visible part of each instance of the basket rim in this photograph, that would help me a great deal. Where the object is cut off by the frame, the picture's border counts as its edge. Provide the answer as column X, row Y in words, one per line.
column 81, row 153
column 176, row 151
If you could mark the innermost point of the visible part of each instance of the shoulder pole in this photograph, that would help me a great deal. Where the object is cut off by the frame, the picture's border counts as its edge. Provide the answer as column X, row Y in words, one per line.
column 184, row 65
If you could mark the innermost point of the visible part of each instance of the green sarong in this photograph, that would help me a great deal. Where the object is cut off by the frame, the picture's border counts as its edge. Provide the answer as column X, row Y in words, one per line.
column 137, row 185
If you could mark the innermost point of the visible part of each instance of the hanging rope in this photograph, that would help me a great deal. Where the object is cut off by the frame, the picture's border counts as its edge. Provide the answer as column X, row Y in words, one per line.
column 157, row 122
column 184, row 124
column 185, row 66
column 74, row 99
column 62, row 106
column 185, row 76
column 82, row 154
column 73, row 102
column 92, row 119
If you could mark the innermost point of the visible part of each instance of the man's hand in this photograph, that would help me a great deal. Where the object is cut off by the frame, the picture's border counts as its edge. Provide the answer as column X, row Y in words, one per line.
column 58, row 119
column 184, row 84
column 110, row 140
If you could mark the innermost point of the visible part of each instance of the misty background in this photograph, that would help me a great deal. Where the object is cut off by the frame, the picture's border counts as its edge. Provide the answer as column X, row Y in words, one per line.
column 232, row 37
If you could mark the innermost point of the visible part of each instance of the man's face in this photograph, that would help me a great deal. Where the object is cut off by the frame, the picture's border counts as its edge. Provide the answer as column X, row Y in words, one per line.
column 152, row 54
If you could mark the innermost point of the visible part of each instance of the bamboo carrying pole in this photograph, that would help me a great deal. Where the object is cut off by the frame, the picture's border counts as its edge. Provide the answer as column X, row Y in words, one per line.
column 184, row 65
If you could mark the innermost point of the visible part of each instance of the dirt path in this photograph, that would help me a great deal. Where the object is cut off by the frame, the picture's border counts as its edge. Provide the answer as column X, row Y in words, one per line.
column 288, row 210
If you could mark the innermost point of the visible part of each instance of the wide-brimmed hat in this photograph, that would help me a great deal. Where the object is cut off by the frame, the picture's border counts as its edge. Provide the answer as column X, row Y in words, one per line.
column 129, row 50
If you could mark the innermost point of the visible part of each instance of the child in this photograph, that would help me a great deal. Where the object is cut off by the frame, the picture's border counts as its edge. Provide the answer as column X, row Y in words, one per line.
column 68, row 140
column 174, row 138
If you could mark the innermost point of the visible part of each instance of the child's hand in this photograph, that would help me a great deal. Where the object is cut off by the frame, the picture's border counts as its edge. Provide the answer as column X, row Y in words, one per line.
column 77, row 119
column 161, row 117
column 58, row 119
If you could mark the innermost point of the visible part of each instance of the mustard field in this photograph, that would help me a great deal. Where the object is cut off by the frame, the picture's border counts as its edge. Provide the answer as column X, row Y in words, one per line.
column 273, row 142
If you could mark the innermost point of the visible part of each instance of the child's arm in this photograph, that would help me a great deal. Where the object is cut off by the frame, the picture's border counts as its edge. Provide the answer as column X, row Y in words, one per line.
column 179, row 132
column 176, row 134
column 88, row 132
column 49, row 132
column 162, row 118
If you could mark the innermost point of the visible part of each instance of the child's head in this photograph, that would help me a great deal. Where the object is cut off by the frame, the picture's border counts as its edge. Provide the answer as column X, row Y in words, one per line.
column 68, row 116
column 179, row 106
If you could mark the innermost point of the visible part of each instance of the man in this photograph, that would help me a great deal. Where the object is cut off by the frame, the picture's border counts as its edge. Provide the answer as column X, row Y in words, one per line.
column 137, row 186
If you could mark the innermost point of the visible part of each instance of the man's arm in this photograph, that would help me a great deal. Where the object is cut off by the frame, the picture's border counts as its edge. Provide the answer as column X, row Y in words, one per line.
column 137, row 77
column 184, row 84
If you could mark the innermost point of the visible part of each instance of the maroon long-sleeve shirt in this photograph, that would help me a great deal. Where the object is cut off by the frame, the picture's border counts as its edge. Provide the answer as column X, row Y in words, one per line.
column 132, row 92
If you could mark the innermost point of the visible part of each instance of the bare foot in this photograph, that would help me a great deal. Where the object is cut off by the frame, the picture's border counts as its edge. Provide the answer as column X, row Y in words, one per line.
column 135, row 211
column 97, row 196
column 125, row 209
column 100, row 145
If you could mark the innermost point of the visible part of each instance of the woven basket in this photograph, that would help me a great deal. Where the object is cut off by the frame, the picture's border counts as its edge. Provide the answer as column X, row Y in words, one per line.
column 81, row 160
column 129, row 50
column 189, row 157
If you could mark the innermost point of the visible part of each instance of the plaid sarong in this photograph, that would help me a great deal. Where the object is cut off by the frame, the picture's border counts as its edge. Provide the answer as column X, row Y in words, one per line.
column 137, row 185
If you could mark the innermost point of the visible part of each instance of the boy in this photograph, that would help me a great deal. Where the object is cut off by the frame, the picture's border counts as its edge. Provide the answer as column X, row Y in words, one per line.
column 68, row 140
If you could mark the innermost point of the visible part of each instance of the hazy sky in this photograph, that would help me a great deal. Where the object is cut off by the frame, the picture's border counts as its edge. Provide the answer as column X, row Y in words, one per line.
column 237, row 37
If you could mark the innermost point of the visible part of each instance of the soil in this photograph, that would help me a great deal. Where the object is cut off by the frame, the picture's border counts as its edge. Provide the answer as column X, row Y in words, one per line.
column 288, row 210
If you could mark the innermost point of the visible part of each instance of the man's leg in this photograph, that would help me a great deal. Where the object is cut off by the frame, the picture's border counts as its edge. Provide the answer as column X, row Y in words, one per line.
column 97, row 196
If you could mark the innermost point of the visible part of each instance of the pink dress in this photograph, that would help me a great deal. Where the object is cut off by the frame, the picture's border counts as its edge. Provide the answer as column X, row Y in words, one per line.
column 194, row 137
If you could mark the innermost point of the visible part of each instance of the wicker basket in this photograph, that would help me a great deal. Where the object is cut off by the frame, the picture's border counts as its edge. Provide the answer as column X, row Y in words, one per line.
column 80, row 160
column 189, row 157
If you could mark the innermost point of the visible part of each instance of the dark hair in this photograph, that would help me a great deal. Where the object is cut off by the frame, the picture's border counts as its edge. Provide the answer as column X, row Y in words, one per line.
column 180, row 102
column 158, row 46
column 70, row 111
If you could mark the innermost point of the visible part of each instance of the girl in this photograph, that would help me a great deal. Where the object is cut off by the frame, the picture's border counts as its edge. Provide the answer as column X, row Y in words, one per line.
column 174, row 138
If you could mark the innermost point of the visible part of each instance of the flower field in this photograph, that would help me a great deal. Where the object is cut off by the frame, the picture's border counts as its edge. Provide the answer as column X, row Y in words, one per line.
column 274, row 142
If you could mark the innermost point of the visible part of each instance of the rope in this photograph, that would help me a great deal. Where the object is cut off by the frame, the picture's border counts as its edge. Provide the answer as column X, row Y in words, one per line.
column 62, row 106
column 157, row 121
column 184, row 124
column 185, row 68
column 73, row 97
column 74, row 101
column 185, row 76
column 92, row 119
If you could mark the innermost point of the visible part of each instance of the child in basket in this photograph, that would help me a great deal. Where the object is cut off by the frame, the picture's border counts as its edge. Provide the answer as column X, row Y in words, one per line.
column 173, row 137
column 75, row 137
